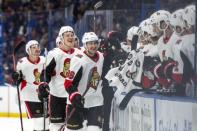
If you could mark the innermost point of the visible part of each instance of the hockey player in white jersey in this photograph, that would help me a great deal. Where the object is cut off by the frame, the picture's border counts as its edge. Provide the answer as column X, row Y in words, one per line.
column 85, row 73
column 169, row 53
column 188, row 38
column 188, row 49
column 58, row 63
column 132, row 38
column 28, row 74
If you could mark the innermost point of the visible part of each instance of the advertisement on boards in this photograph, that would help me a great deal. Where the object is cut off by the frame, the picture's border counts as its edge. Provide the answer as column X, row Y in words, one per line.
column 176, row 116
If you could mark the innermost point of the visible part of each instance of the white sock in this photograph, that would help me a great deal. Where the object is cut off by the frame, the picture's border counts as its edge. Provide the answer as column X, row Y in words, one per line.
column 55, row 126
column 93, row 128
column 38, row 123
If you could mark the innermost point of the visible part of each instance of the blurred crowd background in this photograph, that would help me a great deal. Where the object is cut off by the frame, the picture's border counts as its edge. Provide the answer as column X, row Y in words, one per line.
column 21, row 20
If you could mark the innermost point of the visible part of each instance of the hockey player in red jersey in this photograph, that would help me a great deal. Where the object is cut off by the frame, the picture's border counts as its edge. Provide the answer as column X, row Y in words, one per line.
column 58, row 62
column 84, row 86
column 28, row 75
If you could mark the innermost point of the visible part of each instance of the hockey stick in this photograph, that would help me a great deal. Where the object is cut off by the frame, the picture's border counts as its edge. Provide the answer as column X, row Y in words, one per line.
column 96, row 6
column 123, row 104
column 83, row 95
column 16, row 48
column 44, row 99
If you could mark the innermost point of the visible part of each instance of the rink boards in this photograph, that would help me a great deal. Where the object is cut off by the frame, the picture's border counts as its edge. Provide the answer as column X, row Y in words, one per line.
column 145, row 112
column 9, row 102
column 151, row 112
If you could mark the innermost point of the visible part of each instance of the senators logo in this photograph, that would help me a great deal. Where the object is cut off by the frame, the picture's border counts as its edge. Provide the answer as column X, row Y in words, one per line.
column 95, row 78
column 36, row 76
column 66, row 67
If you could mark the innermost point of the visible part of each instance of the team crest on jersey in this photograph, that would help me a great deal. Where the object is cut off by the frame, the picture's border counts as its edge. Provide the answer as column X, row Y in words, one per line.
column 66, row 67
column 36, row 76
column 95, row 78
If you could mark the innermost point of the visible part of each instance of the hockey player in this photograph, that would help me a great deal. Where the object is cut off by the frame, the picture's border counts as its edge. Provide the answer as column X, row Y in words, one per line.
column 114, row 56
column 189, row 37
column 188, row 49
column 28, row 75
column 132, row 38
column 169, row 53
column 85, row 73
column 58, row 63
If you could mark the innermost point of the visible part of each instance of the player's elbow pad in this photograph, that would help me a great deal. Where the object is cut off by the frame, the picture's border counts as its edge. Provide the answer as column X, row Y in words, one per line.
column 69, row 87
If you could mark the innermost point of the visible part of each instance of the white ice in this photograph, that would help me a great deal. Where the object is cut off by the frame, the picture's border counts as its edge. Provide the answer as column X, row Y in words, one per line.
column 13, row 124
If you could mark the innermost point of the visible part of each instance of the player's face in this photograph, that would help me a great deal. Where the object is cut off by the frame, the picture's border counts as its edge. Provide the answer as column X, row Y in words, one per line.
column 156, row 29
column 68, row 39
column 35, row 50
column 92, row 47
column 177, row 29
column 163, row 25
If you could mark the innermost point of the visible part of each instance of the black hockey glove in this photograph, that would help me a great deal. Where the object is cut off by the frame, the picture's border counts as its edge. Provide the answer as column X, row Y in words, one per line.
column 17, row 76
column 76, row 100
column 43, row 91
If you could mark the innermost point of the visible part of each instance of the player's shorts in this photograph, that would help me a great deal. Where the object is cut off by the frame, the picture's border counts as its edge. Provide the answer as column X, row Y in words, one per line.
column 75, row 122
column 94, row 116
column 34, row 109
column 57, row 109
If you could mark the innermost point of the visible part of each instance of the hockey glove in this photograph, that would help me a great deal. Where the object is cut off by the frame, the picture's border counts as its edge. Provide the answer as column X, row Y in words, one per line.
column 76, row 100
column 43, row 91
column 17, row 76
column 167, row 66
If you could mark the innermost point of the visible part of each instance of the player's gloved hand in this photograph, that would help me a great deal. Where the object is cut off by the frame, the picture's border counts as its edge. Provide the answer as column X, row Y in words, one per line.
column 43, row 91
column 17, row 76
column 76, row 100
column 168, row 66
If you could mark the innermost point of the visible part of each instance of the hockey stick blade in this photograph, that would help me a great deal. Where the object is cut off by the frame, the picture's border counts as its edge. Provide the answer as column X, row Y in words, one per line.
column 127, row 98
column 98, row 4
column 123, row 104
column 15, row 50
column 18, row 46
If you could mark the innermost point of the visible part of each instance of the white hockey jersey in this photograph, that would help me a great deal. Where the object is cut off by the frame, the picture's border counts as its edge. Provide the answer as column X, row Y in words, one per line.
column 62, row 60
column 188, row 47
column 123, row 77
column 165, row 47
column 91, row 76
column 170, row 48
column 31, row 78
